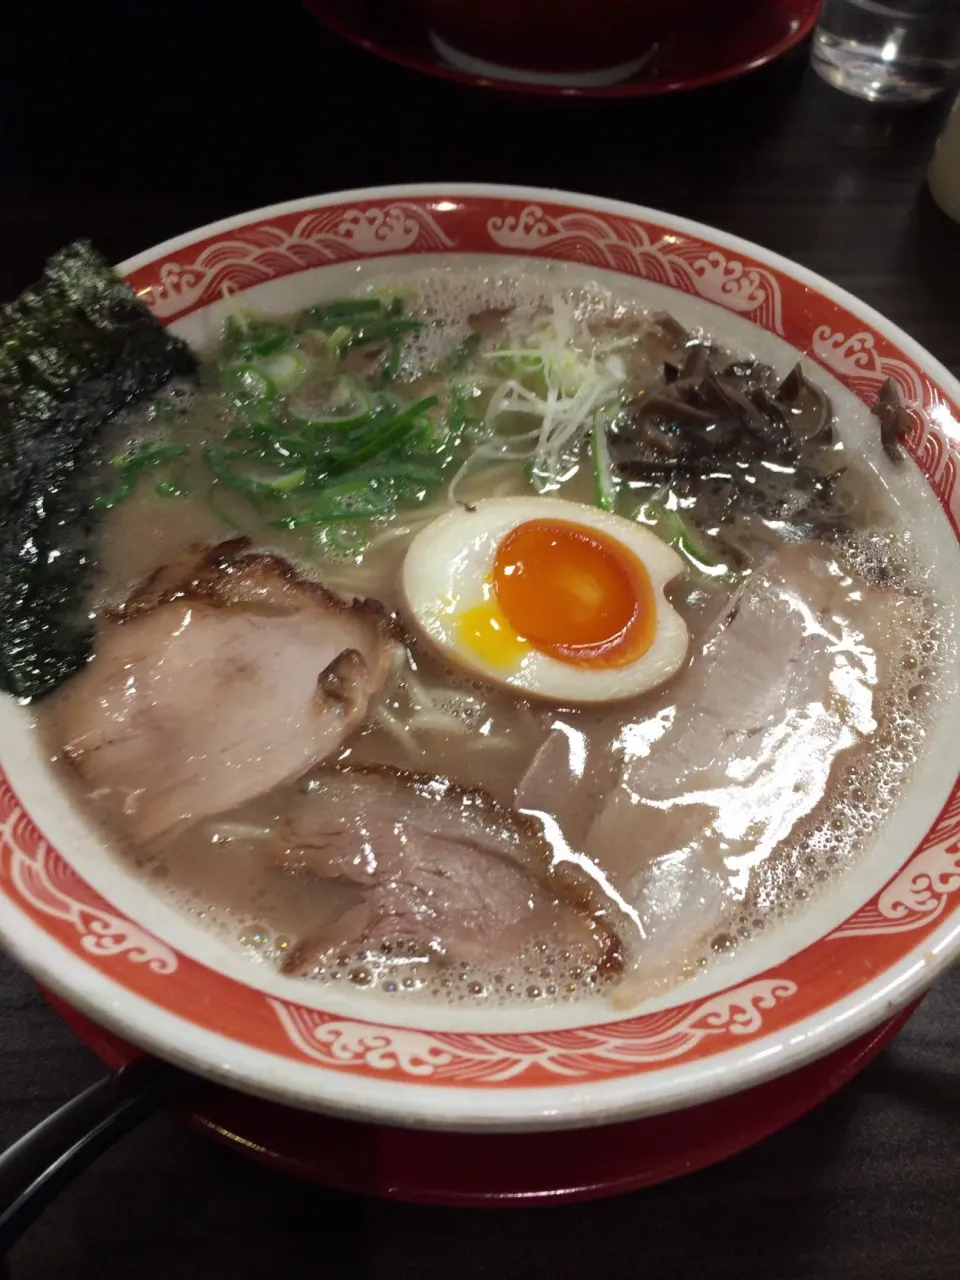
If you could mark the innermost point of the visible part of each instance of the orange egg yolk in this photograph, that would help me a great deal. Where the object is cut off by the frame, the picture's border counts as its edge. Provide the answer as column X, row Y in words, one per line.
column 575, row 593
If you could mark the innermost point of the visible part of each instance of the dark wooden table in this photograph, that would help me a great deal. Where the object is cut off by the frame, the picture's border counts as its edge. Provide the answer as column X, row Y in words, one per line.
column 129, row 123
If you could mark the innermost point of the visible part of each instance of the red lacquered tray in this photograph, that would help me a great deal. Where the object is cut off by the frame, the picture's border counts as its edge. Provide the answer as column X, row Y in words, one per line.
column 503, row 1169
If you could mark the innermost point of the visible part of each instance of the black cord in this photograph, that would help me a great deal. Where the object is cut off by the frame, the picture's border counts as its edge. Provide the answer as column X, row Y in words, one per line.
column 43, row 1161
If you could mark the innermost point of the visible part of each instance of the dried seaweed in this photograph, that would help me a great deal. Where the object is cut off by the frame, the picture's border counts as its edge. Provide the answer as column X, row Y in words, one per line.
column 75, row 349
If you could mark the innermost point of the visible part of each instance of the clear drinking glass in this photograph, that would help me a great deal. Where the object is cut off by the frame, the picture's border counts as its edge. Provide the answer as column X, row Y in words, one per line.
column 888, row 50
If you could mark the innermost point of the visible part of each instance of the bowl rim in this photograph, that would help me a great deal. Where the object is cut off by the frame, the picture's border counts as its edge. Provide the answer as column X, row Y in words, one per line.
column 755, row 1057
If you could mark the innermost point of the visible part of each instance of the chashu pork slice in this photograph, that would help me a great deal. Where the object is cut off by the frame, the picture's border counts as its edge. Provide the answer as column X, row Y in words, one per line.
column 783, row 687
column 224, row 676
column 446, row 870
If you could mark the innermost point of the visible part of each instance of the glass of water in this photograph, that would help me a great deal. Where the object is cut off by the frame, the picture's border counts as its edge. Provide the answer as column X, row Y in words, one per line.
column 898, row 51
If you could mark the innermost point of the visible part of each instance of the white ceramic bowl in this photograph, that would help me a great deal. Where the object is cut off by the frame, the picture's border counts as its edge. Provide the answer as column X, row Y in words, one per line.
column 79, row 920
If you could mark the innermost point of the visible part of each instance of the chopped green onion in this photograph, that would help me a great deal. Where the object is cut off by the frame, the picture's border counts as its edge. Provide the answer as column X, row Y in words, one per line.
column 254, row 339
column 388, row 436
column 286, row 484
column 132, row 463
column 467, row 348
column 391, row 364
column 459, row 419
column 161, row 408
column 219, row 463
column 370, row 418
column 285, row 369
column 332, row 314
column 248, row 385
column 107, row 501
column 355, row 481
column 359, row 322
column 381, row 331
column 604, row 476
column 272, row 443
column 171, row 489
column 382, row 411
column 371, row 452
column 269, row 346
column 350, row 404
column 336, row 340
column 321, row 516
column 677, row 532
column 365, row 331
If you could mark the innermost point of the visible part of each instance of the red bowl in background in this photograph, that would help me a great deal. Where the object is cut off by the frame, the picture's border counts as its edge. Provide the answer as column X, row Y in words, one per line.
column 557, row 41
column 726, row 40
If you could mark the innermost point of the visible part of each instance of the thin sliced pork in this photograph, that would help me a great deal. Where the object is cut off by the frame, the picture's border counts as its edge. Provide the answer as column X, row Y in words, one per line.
column 786, row 683
column 225, row 676
column 449, row 871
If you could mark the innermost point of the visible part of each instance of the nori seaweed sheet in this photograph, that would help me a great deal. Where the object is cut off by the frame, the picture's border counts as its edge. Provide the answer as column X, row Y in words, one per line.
column 75, row 349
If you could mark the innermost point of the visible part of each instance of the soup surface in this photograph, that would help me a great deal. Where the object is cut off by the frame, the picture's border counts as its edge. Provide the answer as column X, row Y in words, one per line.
column 495, row 639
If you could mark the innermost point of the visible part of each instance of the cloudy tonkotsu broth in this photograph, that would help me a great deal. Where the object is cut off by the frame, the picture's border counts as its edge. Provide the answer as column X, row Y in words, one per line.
column 410, row 824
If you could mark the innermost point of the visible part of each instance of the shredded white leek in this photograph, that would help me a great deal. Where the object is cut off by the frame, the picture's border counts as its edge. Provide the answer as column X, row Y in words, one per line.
column 570, row 385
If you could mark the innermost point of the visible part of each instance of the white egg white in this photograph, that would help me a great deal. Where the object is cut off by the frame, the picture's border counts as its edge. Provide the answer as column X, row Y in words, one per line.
column 448, row 568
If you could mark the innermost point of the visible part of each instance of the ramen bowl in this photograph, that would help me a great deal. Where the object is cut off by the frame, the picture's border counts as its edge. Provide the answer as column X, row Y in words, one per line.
column 86, row 926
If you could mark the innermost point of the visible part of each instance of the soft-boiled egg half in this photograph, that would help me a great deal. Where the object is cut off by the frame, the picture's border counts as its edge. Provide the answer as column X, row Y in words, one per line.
column 552, row 599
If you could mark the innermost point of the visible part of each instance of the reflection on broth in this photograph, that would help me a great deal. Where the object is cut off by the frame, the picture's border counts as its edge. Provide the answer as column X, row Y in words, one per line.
column 495, row 640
